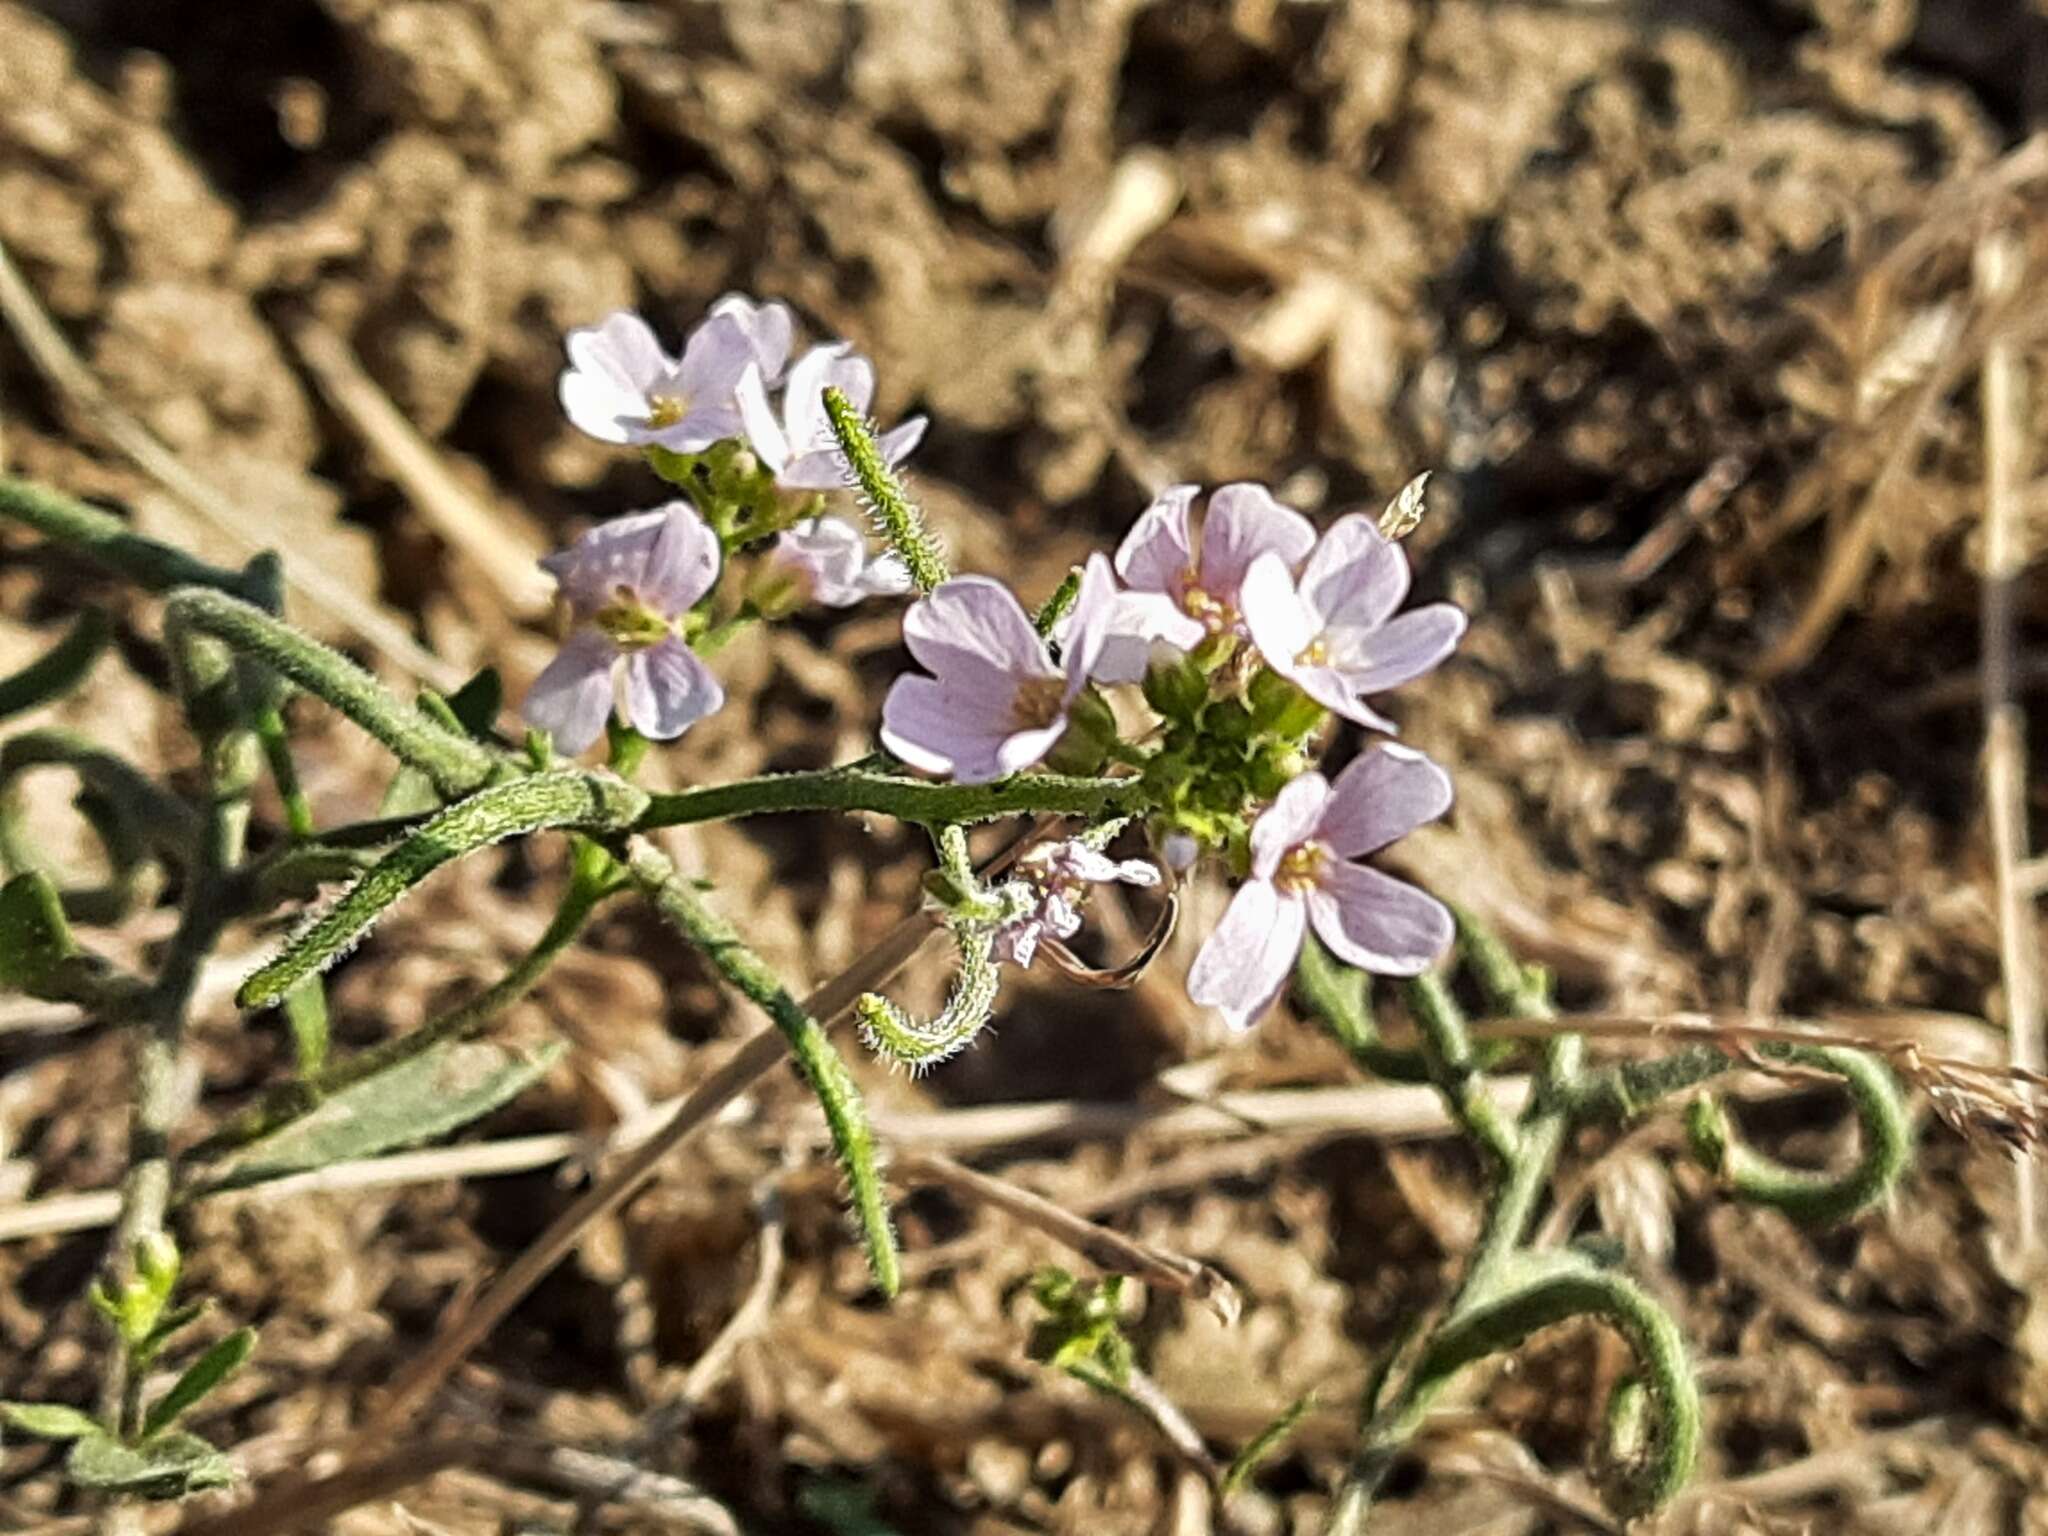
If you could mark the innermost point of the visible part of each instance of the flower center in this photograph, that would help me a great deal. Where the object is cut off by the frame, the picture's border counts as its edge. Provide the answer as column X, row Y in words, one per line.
column 1302, row 868
column 1210, row 611
column 1314, row 654
column 630, row 624
column 667, row 410
column 1039, row 702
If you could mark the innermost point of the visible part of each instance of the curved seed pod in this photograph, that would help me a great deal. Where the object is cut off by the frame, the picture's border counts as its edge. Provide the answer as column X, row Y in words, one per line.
column 921, row 1044
column 1657, row 1436
column 454, row 763
column 1813, row 1196
column 583, row 801
column 895, row 514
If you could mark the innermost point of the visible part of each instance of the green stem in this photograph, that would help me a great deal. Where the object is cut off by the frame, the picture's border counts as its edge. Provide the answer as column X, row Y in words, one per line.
column 592, row 880
column 455, row 764
column 60, row 669
column 915, row 800
column 1336, row 995
column 1816, row 1197
column 229, row 758
column 108, row 540
column 679, row 901
column 563, row 800
column 1455, row 1070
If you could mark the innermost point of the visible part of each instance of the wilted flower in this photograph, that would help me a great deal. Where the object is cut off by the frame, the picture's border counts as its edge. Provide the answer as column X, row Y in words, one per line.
column 997, row 700
column 1180, row 595
column 800, row 447
column 1302, row 877
column 1056, row 877
column 1333, row 634
column 826, row 560
column 621, row 387
column 627, row 583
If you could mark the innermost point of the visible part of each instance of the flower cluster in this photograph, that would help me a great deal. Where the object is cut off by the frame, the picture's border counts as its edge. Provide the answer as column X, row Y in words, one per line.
column 1245, row 640
column 637, row 590
column 1244, row 634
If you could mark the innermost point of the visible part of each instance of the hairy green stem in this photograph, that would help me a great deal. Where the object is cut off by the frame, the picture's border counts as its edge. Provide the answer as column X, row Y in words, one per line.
column 452, row 762
column 1336, row 995
column 229, row 761
column 679, row 901
column 1816, row 1197
column 907, row 799
column 110, row 542
column 1456, row 1070
column 563, row 800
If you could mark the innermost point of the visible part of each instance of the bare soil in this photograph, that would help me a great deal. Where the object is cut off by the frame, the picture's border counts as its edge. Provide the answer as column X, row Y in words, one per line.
column 1676, row 300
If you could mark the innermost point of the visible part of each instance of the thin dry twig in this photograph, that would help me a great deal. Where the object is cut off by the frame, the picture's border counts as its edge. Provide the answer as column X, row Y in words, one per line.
column 1999, row 260
column 67, row 373
column 1106, row 1249
column 497, row 549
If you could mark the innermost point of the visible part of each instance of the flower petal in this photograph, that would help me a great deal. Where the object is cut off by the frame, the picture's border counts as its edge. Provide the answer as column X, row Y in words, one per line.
column 757, row 419
column 901, row 440
column 973, row 628
column 1357, row 576
column 1332, row 689
column 803, row 402
column 572, row 697
column 714, row 357
column 1088, row 623
column 610, row 556
column 1401, row 650
column 669, row 689
column 1138, row 621
column 1018, row 751
column 1281, row 623
column 1385, row 794
column 681, row 564
column 711, row 419
column 768, row 329
column 1245, row 522
column 1157, row 554
column 1378, row 923
column 600, row 406
column 620, row 350
column 1246, row 960
column 944, row 729
column 1289, row 821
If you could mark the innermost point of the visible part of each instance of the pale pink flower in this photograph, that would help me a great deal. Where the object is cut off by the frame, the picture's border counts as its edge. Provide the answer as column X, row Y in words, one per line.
column 622, row 387
column 799, row 446
column 1302, row 877
column 1056, row 877
column 827, row 560
column 1182, row 595
column 997, row 701
column 627, row 584
column 1333, row 634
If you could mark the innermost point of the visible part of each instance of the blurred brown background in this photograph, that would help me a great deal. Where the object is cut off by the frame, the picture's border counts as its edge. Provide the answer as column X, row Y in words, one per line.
column 1687, row 306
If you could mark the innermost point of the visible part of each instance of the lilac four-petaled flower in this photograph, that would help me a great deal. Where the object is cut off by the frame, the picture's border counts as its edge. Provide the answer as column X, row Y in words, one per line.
column 828, row 560
column 1056, row 877
column 1302, row 877
column 1333, row 634
column 996, row 701
column 1180, row 594
column 621, row 386
column 627, row 583
column 798, row 445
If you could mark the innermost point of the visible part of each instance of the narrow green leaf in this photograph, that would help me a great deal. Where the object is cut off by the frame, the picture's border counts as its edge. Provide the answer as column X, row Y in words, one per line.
column 34, row 938
column 49, row 1421
column 427, row 1096
column 167, row 1467
column 200, row 1378
column 1266, row 1442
